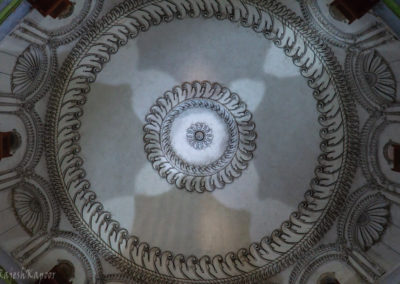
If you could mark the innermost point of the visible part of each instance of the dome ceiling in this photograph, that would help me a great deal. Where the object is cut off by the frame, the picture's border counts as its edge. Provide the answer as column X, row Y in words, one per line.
column 202, row 142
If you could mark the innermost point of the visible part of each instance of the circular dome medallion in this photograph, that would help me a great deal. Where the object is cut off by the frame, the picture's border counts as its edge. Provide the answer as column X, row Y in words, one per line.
column 275, row 251
column 199, row 155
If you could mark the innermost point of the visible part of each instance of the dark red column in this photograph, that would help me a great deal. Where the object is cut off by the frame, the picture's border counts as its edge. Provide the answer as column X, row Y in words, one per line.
column 54, row 8
column 353, row 9
column 6, row 141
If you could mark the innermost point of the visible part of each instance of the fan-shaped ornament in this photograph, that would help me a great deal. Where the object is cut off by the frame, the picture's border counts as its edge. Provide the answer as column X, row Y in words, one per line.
column 372, row 220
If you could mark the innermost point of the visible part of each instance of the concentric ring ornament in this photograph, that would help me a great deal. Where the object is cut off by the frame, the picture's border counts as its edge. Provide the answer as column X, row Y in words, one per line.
column 206, row 97
column 275, row 251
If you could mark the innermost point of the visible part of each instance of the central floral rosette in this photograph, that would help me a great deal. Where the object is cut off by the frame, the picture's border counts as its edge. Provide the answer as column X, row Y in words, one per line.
column 199, row 116
column 199, row 135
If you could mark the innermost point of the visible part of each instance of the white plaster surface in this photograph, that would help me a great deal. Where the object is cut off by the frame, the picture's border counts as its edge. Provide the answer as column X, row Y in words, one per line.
column 145, row 203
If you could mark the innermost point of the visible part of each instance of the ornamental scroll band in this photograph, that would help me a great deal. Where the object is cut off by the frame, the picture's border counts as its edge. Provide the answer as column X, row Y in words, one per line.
column 207, row 96
column 272, row 253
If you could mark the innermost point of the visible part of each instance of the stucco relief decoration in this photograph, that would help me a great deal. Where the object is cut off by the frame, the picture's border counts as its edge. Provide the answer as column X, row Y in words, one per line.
column 379, row 76
column 372, row 150
column 29, row 71
column 45, row 247
column 174, row 136
column 62, row 30
column 372, row 220
column 365, row 218
column 30, row 208
column 370, row 78
column 218, row 107
column 201, row 137
column 314, row 260
column 320, row 258
column 325, row 24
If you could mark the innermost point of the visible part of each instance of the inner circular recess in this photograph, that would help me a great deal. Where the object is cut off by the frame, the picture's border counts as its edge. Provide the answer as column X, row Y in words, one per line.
column 179, row 162
column 198, row 129
column 252, row 206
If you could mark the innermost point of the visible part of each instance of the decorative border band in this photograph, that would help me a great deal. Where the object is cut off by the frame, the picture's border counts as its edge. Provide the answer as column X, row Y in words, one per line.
column 261, row 260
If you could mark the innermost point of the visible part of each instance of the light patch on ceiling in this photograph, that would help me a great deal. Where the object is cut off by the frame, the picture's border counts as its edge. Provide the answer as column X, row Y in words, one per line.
column 150, row 184
column 250, row 91
column 144, row 85
column 122, row 206
column 245, row 197
column 277, row 64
